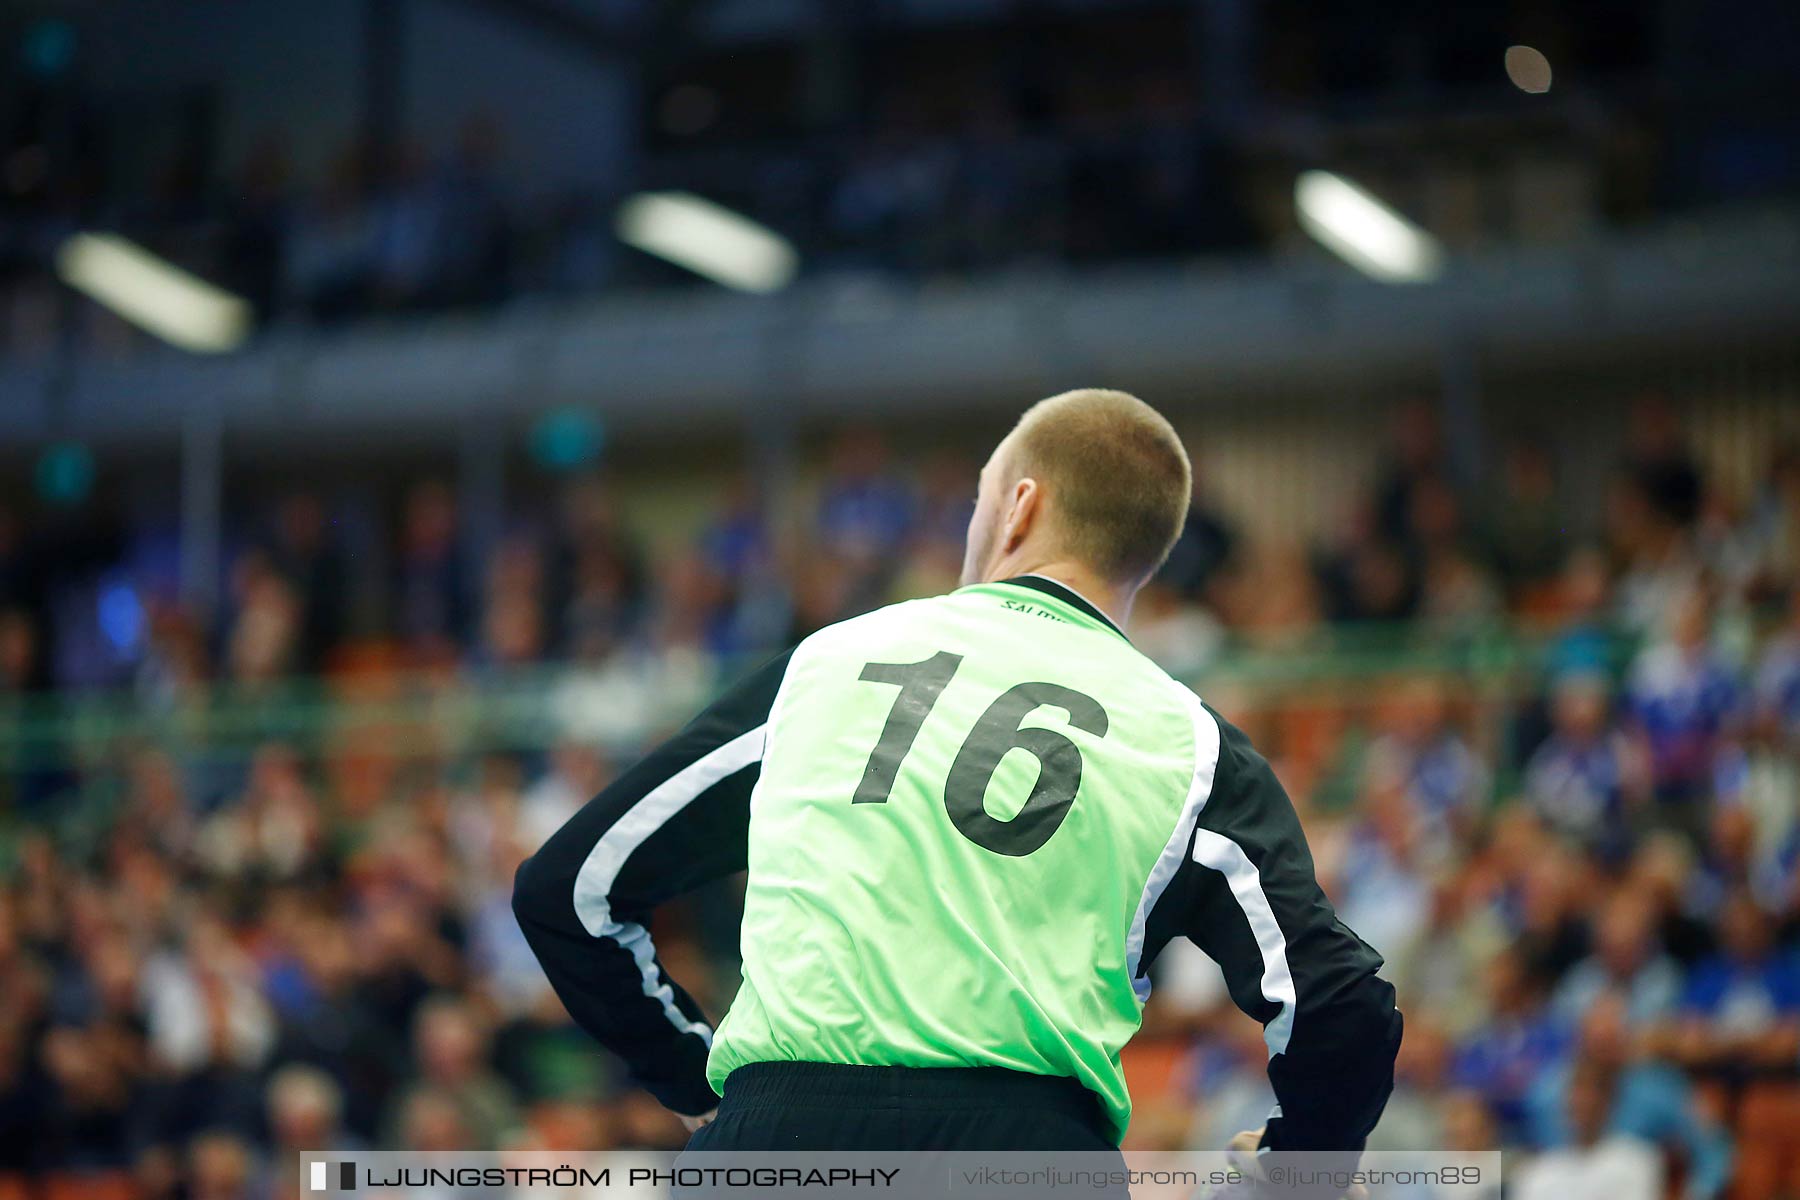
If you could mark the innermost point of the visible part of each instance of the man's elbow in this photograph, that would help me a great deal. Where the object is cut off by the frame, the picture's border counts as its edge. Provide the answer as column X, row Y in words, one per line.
column 535, row 893
column 1370, row 1018
column 1357, row 1024
column 1338, row 1070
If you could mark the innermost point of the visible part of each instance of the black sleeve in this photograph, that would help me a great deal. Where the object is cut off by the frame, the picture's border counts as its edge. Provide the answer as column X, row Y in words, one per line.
column 1246, row 894
column 676, row 820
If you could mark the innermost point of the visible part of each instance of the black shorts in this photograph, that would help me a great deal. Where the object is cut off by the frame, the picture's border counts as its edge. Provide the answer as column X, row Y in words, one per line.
column 830, row 1106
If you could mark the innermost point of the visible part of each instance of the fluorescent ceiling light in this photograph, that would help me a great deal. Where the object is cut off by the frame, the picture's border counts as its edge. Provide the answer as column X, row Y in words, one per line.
column 1363, row 231
column 1529, row 70
column 154, row 295
column 707, row 239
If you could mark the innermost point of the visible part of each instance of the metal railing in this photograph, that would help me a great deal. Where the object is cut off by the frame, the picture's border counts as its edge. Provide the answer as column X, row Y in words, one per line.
column 624, row 705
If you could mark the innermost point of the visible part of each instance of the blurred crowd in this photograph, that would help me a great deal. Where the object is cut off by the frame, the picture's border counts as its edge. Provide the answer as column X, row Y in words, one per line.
column 1587, row 888
column 1585, row 876
column 397, row 229
column 1031, row 138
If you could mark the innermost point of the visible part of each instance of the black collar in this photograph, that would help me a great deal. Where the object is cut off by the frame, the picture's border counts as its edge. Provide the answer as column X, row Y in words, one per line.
column 1068, row 595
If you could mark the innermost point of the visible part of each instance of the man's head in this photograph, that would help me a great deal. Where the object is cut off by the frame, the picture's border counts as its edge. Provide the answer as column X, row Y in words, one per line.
column 1592, row 1088
column 1606, row 1031
column 1625, row 935
column 304, row 1104
column 1093, row 478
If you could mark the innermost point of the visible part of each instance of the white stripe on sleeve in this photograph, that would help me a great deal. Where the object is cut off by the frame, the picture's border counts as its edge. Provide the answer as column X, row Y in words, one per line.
column 1228, row 858
column 1206, row 765
column 594, row 882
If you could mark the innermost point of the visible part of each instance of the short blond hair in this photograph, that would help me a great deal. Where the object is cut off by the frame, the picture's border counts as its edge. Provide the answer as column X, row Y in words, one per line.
column 1116, row 477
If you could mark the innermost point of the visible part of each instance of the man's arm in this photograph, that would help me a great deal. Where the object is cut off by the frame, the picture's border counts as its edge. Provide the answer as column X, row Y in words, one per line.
column 1245, row 893
column 676, row 820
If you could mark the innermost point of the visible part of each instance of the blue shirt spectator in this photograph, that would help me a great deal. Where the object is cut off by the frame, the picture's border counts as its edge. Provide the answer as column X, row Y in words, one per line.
column 865, row 510
column 1627, row 962
column 1744, row 995
column 1582, row 777
column 1682, row 698
column 1778, row 681
column 1504, row 1058
column 1652, row 1102
column 1502, row 1061
column 1741, row 1011
column 1649, row 1100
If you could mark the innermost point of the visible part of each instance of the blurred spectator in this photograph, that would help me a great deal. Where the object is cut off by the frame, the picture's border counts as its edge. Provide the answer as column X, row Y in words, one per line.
column 175, row 666
column 432, row 1122
column 18, row 652
column 1365, row 576
column 1658, row 563
column 219, row 1167
column 409, row 237
column 998, row 170
column 263, row 641
column 595, row 576
column 1203, row 552
column 1527, row 518
column 91, row 1100
column 1441, row 969
column 472, row 265
column 738, row 547
column 1180, row 638
column 1429, row 761
column 1416, row 462
column 1459, row 594
column 1682, row 699
column 1741, row 1010
column 888, row 206
column 866, row 511
column 1626, row 962
column 1587, row 781
column 1663, row 870
column 1382, row 891
column 1651, row 1101
column 329, row 1018
column 305, row 554
column 1660, row 462
column 305, row 1106
column 451, row 1049
column 1777, row 691
column 1594, row 1161
column 1730, row 863
column 256, row 224
column 1772, row 526
column 432, row 587
column 1469, row 1124
column 576, row 775
column 1415, row 1118
column 274, row 831
column 513, row 632
column 1503, row 1059
column 204, row 1009
column 1548, row 899
column 1582, row 640
column 329, row 260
